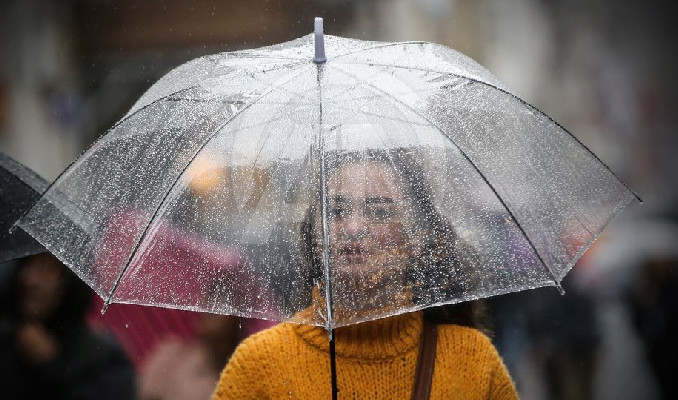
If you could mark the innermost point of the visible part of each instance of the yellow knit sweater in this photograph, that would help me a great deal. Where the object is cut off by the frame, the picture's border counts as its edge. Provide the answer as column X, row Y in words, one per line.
column 375, row 360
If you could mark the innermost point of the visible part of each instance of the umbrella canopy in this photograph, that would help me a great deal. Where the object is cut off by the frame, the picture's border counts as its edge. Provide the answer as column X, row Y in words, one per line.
column 386, row 178
column 20, row 188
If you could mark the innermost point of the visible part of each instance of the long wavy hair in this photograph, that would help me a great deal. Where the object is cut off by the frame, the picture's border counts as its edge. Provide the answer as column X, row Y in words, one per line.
column 441, row 255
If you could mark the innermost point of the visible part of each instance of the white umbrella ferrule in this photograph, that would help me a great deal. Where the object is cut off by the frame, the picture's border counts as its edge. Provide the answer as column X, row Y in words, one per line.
column 319, row 42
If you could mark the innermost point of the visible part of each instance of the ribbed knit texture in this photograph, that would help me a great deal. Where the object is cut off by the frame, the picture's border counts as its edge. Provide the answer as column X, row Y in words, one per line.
column 375, row 360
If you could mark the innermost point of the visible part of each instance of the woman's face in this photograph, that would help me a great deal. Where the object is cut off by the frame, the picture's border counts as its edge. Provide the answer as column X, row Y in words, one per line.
column 369, row 220
column 41, row 283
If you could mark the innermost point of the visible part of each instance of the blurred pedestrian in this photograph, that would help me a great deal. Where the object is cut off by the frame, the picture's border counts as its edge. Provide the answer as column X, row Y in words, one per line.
column 653, row 300
column 47, row 349
column 565, row 339
column 556, row 336
column 189, row 369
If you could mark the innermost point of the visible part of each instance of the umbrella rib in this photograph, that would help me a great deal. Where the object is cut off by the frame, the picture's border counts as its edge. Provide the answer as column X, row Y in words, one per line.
column 410, row 68
column 380, row 46
column 253, row 55
column 537, row 110
column 142, row 237
column 463, row 153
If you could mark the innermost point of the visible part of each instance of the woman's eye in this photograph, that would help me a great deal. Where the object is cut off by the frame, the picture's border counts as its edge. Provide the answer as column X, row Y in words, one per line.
column 378, row 213
column 339, row 212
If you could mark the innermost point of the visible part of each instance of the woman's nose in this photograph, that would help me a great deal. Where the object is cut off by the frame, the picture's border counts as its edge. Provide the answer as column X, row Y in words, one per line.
column 354, row 224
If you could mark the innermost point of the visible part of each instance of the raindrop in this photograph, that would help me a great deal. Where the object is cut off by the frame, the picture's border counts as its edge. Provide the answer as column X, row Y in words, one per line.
column 126, row 326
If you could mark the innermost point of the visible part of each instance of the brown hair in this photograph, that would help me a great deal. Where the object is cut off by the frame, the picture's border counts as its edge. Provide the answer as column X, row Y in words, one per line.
column 435, row 270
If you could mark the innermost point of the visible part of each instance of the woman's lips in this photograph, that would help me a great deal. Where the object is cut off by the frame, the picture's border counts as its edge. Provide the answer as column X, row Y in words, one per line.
column 354, row 254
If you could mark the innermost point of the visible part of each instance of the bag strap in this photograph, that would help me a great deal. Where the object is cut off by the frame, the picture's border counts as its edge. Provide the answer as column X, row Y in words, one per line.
column 426, row 360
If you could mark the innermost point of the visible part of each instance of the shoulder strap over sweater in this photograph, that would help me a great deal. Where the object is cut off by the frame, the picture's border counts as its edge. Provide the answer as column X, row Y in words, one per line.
column 426, row 361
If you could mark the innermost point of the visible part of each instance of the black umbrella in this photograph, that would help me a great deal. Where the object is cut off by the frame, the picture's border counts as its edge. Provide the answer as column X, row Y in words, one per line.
column 20, row 187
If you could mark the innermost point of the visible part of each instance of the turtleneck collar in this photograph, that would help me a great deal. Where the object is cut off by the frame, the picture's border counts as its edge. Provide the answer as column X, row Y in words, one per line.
column 379, row 339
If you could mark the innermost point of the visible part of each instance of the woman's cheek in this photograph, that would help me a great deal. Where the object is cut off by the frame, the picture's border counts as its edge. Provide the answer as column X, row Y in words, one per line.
column 389, row 234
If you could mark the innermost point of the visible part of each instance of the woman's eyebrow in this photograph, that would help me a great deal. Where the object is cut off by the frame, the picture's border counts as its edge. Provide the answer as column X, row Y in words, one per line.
column 340, row 199
column 378, row 200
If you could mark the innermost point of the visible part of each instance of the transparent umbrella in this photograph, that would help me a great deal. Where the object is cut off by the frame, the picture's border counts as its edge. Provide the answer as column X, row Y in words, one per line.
column 381, row 179
column 20, row 188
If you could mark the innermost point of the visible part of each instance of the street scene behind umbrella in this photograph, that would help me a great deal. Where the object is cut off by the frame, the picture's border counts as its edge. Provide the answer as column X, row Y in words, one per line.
column 349, row 188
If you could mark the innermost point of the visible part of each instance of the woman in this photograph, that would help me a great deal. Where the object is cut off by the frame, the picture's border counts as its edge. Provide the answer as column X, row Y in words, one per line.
column 47, row 350
column 388, row 251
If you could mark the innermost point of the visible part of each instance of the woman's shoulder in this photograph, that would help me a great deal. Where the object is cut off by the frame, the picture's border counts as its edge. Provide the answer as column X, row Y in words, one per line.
column 257, row 351
column 463, row 334
column 248, row 368
column 266, row 337
column 469, row 353
column 466, row 340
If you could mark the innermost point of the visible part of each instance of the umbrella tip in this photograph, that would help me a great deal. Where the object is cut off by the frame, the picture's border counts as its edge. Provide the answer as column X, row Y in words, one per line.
column 319, row 42
column 105, row 307
column 560, row 288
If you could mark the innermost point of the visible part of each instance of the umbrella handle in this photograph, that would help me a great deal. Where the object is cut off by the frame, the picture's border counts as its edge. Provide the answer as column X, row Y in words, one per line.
column 333, row 367
column 319, row 42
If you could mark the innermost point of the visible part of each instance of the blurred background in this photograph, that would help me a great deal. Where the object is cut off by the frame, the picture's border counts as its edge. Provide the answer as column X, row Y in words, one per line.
column 603, row 69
